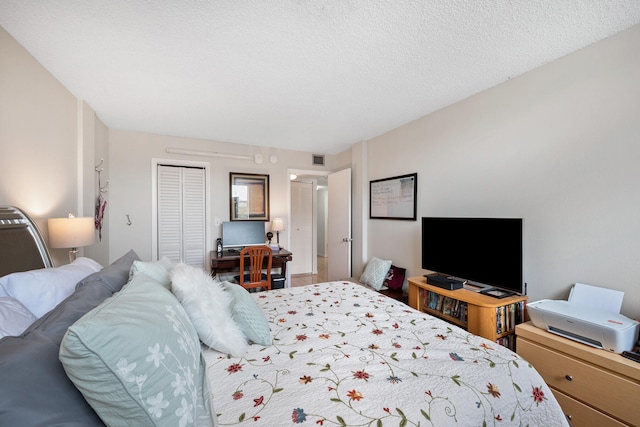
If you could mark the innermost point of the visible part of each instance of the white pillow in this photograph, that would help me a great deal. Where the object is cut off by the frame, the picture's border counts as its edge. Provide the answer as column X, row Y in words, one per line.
column 375, row 272
column 208, row 306
column 14, row 317
column 43, row 289
column 159, row 270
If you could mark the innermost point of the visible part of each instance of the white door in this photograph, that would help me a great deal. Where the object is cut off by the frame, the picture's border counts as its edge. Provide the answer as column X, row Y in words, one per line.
column 181, row 214
column 301, row 227
column 339, row 228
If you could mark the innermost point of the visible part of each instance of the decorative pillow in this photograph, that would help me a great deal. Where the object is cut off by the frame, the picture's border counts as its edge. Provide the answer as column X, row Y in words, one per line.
column 136, row 359
column 395, row 278
column 159, row 270
column 14, row 317
column 248, row 315
column 114, row 276
column 375, row 272
column 209, row 308
column 43, row 289
column 44, row 381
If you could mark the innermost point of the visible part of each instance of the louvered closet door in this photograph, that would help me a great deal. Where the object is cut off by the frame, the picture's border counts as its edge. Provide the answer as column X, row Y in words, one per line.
column 181, row 214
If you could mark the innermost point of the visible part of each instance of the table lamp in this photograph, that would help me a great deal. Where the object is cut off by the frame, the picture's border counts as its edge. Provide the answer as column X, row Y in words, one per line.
column 71, row 233
column 277, row 225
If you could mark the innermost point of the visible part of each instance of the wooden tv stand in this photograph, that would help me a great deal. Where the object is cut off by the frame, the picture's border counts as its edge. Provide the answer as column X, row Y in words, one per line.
column 491, row 318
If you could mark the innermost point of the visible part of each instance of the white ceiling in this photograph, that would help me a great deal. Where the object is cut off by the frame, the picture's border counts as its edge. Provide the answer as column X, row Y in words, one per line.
column 312, row 75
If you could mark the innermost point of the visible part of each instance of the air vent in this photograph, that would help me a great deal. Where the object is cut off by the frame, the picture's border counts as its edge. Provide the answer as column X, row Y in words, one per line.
column 318, row 159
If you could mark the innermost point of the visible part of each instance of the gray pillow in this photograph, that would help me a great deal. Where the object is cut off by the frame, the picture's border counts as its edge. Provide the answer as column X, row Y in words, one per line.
column 114, row 276
column 107, row 281
column 35, row 389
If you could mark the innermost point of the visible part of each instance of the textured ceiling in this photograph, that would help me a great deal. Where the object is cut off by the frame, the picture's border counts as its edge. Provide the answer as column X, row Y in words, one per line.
column 297, row 74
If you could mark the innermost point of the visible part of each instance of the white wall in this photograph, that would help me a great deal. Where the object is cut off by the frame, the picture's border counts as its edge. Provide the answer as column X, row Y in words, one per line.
column 36, row 112
column 130, row 185
column 558, row 146
column 50, row 143
column 100, row 139
column 45, row 163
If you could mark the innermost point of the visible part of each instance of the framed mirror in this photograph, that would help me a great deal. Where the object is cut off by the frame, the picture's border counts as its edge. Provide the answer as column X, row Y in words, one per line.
column 249, row 197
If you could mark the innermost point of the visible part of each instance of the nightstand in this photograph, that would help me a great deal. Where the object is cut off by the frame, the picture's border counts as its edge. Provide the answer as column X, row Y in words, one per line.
column 397, row 295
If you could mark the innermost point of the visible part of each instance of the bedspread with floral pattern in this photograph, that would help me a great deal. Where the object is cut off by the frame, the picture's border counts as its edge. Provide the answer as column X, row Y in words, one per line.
column 346, row 355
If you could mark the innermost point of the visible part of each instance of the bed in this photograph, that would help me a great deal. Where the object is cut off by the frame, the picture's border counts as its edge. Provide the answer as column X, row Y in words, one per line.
column 335, row 353
column 343, row 354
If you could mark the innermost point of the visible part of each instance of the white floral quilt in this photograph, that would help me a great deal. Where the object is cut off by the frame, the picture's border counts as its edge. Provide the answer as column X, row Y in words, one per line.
column 345, row 355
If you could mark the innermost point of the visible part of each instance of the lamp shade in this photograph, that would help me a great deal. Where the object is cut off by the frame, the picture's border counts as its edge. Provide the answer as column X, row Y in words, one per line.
column 277, row 224
column 71, row 232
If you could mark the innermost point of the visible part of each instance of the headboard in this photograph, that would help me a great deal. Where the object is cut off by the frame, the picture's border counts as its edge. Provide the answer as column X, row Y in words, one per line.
column 21, row 245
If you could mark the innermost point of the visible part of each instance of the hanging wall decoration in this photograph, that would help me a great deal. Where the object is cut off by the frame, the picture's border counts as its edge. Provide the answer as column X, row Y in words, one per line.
column 101, row 202
column 394, row 198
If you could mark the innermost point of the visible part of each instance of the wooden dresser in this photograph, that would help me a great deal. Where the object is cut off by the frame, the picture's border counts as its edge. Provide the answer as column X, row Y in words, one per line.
column 594, row 387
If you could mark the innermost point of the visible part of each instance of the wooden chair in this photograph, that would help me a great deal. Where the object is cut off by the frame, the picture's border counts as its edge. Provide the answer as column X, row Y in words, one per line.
column 254, row 277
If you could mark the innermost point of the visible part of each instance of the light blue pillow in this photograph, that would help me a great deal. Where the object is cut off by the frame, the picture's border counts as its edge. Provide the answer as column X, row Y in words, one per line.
column 375, row 272
column 248, row 315
column 159, row 270
column 137, row 360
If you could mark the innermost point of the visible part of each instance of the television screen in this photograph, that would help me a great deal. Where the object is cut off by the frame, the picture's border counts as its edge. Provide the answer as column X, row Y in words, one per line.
column 486, row 251
column 238, row 234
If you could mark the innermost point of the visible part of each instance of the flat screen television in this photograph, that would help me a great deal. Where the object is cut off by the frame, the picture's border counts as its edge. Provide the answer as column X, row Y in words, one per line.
column 238, row 234
column 484, row 251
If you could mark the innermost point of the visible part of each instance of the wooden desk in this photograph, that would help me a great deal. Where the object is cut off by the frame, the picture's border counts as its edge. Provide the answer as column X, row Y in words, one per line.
column 230, row 261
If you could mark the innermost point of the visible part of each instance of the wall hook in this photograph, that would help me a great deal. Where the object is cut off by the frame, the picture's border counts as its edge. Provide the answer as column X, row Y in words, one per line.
column 99, row 169
column 129, row 220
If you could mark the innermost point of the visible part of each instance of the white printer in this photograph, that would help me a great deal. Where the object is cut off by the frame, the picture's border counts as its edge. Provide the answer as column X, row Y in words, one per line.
column 597, row 328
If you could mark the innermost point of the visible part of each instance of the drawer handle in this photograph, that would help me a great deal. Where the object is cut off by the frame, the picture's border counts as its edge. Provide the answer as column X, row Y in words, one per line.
column 569, row 377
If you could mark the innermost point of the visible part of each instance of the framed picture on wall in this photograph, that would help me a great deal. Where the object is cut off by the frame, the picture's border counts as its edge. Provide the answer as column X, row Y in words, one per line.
column 394, row 198
column 249, row 197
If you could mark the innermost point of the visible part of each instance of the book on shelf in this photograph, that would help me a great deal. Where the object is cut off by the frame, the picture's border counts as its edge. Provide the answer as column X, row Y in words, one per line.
column 508, row 341
column 446, row 305
column 508, row 316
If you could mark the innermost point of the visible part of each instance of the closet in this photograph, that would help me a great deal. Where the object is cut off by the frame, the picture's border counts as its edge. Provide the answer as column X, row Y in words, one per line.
column 181, row 214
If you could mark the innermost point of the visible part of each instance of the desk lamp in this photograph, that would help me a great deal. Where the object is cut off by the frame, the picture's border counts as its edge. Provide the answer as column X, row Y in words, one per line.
column 277, row 225
column 71, row 233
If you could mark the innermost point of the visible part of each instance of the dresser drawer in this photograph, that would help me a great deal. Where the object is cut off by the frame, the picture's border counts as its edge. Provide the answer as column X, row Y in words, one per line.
column 604, row 390
column 581, row 415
